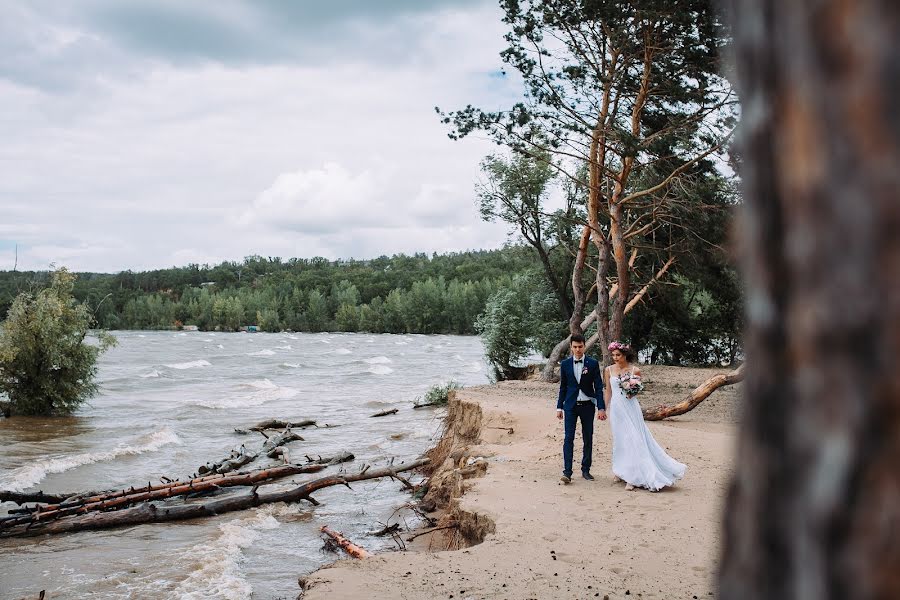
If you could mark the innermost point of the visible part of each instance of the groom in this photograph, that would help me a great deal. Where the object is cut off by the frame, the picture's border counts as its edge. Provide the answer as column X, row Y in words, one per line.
column 580, row 390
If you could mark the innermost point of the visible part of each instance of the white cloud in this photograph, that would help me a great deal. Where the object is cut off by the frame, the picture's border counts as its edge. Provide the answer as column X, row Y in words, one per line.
column 145, row 163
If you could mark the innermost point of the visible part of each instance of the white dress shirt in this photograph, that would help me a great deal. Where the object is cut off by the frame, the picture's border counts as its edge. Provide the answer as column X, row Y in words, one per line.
column 577, row 367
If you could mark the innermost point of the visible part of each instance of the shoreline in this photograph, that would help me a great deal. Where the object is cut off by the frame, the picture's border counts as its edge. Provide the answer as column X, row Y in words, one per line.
column 521, row 534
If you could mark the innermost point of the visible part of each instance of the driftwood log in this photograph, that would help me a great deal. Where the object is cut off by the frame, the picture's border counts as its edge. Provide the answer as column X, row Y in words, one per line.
column 124, row 498
column 25, row 497
column 242, row 456
column 427, row 404
column 278, row 424
column 701, row 393
column 348, row 546
column 150, row 512
column 385, row 413
column 331, row 460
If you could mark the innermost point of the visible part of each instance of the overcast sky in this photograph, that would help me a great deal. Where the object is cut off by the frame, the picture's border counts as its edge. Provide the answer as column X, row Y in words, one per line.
column 152, row 133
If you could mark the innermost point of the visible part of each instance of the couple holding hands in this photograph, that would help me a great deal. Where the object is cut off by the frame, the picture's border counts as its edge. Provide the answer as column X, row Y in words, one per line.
column 637, row 459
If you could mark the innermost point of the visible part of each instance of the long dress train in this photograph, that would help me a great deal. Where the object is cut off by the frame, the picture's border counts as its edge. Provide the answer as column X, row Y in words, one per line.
column 636, row 457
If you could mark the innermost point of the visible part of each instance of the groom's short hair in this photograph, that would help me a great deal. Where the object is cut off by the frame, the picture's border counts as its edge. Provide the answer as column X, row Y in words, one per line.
column 576, row 338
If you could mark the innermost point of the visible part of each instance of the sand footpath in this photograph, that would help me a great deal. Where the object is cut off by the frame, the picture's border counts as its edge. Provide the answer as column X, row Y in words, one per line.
column 546, row 540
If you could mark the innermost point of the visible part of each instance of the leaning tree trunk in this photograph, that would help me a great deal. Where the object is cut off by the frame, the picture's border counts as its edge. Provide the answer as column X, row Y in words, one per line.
column 698, row 395
column 814, row 507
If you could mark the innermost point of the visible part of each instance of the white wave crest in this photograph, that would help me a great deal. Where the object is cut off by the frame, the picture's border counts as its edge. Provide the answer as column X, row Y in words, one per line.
column 341, row 351
column 261, row 353
column 194, row 364
column 380, row 370
column 153, row 373
column 254, row 393
column 291, row 365
column 378, row 360
column 215, row 566
column 23, row 478
column 285, row 347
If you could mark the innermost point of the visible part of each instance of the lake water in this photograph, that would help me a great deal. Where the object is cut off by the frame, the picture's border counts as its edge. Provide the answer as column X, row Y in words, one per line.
column 170, row 402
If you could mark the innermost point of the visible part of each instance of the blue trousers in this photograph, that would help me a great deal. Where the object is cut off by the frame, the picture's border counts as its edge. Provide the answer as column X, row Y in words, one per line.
column 585, row 412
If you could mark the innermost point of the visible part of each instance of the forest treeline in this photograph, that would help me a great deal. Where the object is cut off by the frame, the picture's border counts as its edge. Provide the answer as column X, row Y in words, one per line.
column 438, row 293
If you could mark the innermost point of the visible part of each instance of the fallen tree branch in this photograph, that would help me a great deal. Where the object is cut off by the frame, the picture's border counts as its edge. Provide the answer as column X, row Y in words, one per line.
column 278, row 424
column 149, row 512
column 386, row 530
column 242, row 457
column 348, row 546
column 118, row 500
column 701, row 393
column 331, row 460
column 385, row 413
column 421, row 533
column 426, row 404
column 24, row 497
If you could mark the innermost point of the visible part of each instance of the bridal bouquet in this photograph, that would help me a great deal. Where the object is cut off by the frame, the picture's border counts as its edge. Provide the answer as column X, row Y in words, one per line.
column 630, row 384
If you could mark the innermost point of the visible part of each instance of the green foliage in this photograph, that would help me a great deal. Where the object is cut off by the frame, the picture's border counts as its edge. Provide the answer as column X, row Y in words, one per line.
column 505, row 328
column 46, row 364
column 626, row 101
column 438, row 394
column 514, row 192
column 400, row 294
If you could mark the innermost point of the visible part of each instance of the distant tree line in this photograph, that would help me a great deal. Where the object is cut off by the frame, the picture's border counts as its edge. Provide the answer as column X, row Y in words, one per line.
column 398, row 294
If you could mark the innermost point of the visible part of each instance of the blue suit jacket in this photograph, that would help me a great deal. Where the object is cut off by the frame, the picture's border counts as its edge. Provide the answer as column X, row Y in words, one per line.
column 591, row 383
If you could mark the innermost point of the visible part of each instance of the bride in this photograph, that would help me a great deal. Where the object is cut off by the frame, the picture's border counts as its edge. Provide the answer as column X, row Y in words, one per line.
column 636, row 457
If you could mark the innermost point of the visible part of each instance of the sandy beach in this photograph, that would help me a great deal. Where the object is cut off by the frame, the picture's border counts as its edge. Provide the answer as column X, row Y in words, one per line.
column 541, row 539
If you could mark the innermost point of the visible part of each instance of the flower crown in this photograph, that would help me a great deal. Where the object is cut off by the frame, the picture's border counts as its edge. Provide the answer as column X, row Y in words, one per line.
column 618, row 346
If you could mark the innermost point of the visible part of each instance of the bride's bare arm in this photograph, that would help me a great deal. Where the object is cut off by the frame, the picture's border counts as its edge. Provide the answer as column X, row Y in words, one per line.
column 607, row 389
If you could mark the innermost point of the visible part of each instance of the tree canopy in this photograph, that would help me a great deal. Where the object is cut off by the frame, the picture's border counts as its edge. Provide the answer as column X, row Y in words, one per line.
column 47, row 364
column 626, row 101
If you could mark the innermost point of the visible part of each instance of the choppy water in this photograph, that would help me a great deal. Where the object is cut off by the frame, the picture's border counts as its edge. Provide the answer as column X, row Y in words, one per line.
column 170, row 402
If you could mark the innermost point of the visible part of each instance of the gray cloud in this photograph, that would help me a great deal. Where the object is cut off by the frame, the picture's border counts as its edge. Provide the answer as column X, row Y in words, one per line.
column 133, row 140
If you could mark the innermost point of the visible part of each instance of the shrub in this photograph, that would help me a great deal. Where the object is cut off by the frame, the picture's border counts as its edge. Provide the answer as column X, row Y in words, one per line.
column 46, row 363
column 438, row 394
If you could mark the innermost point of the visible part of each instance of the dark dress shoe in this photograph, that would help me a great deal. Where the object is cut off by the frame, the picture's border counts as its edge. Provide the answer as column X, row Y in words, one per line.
column 587, row 475
column 565, row 479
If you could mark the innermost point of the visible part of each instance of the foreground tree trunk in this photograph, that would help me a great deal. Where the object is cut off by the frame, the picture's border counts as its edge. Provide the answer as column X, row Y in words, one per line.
column 814, row 508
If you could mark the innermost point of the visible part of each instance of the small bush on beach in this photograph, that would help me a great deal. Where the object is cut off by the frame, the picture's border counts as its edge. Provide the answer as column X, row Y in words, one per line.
column 438, row 394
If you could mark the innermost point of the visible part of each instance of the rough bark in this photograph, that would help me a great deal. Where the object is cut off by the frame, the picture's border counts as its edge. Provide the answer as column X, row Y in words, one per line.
column 153, row 513
column 40, row 496
column 701, row 393
column 331, row 460
column 278, row 424
column 345, row 544
column 813, row 510
column 134, row 496
column 242, row 456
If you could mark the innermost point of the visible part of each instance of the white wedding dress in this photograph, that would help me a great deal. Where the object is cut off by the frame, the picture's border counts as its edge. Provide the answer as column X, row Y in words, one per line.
column 636, row 457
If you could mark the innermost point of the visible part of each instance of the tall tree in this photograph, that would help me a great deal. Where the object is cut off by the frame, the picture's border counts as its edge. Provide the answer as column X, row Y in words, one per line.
column 515, row 192
column 814, row 506
column 631, row 90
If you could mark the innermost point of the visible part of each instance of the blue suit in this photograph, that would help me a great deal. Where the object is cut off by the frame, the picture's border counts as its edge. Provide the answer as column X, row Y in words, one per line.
column 592, row 386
